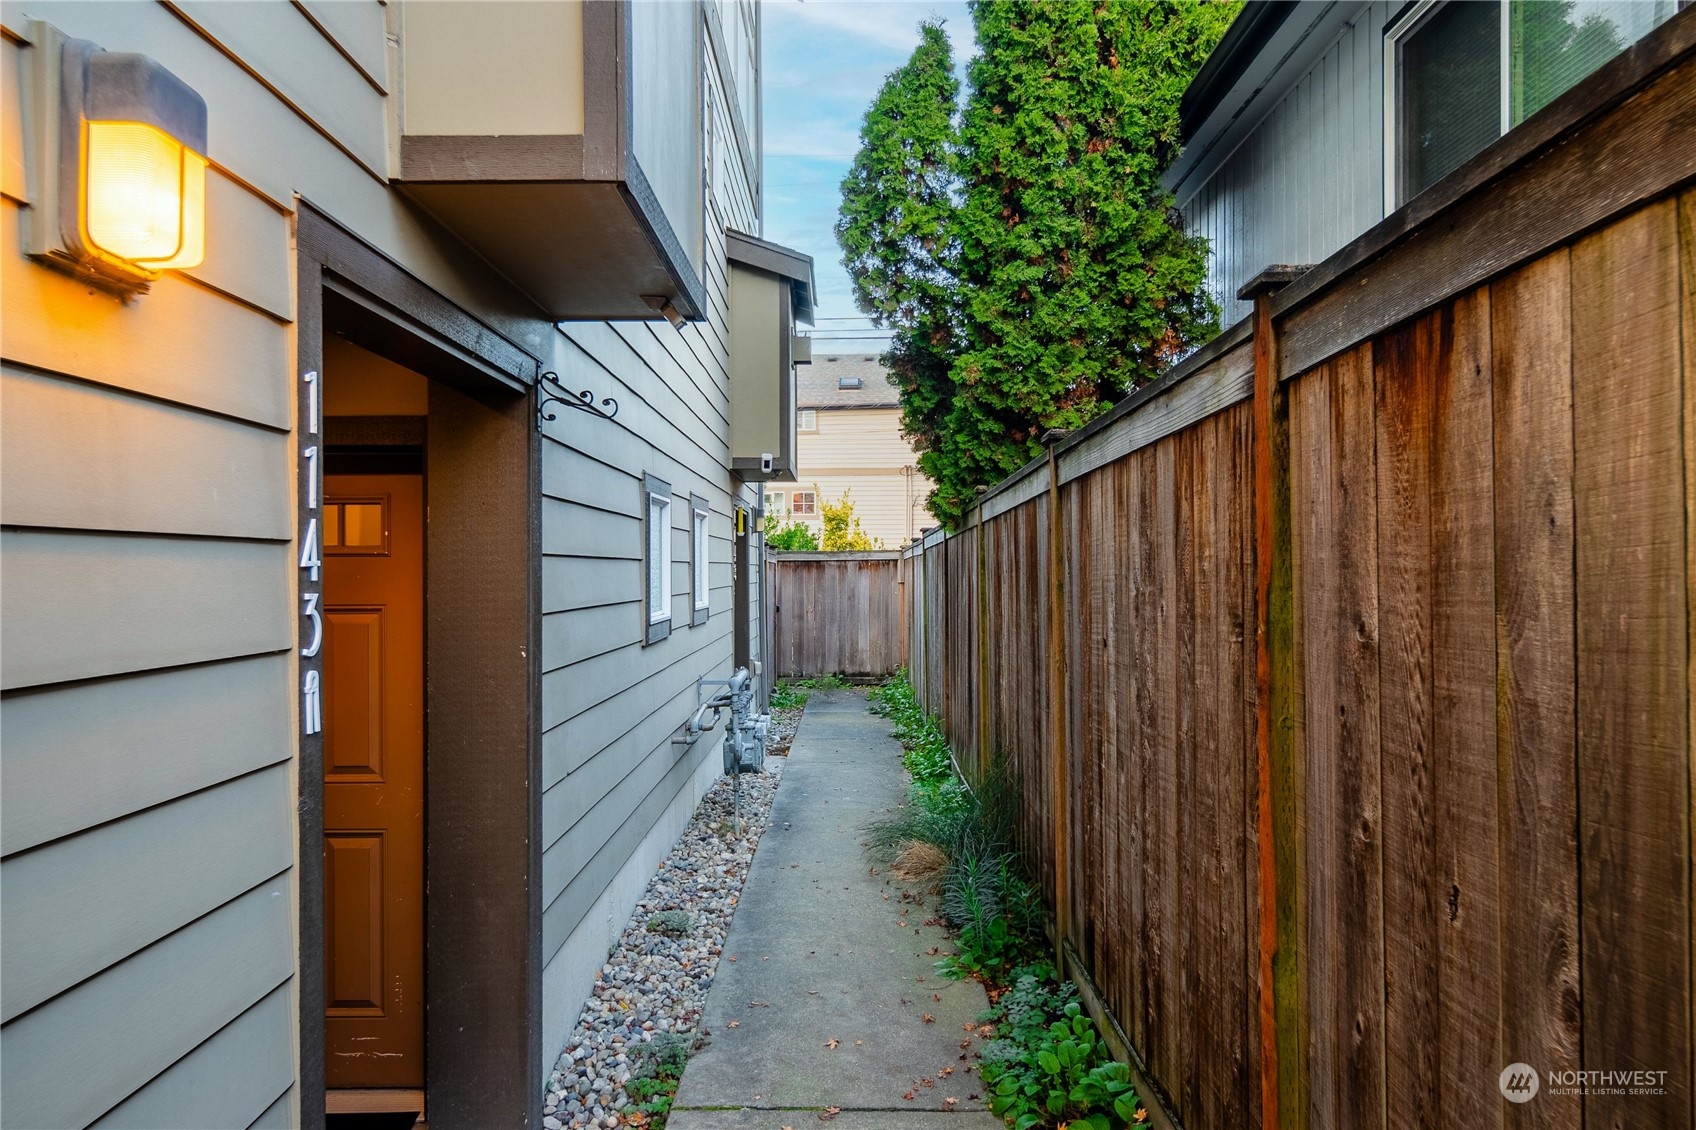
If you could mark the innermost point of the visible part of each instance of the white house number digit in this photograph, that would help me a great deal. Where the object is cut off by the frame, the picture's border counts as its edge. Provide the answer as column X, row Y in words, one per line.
column 311, row 698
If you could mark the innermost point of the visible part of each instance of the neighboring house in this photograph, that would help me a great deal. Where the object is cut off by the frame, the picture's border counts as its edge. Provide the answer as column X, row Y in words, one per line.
column 850, row 442
column 1312, row 121
column 342, row 662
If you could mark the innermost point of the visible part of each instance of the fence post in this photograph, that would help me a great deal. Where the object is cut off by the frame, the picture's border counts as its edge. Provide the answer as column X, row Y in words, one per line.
column 983, row 695
column 1283, row 1072
column 1059, row 803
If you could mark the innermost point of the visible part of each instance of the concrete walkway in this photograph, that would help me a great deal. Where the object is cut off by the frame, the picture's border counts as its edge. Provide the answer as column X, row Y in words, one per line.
column 827, row 995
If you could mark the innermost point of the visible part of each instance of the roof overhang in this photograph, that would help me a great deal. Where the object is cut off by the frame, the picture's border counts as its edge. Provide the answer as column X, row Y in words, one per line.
column 776, row 259
column 1268, row 46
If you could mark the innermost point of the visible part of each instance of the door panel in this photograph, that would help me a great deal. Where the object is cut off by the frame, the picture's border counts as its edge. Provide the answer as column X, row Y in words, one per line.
column 374, row 780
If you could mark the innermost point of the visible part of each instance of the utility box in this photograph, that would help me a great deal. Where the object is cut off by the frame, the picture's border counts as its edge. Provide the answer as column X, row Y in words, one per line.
column 771, row 290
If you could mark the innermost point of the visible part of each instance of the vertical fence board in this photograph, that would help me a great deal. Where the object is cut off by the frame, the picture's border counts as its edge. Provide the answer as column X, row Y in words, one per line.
column 1463, row 729
column 1633, row 770
column 1332, row 491
column 1535, row 721
column 1404, row 362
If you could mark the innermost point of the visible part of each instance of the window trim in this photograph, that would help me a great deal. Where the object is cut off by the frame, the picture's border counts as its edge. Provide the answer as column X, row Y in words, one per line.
column 773, row 502
column 801, row 416
column 700, row 560
column 798, row 513
column 656, row 622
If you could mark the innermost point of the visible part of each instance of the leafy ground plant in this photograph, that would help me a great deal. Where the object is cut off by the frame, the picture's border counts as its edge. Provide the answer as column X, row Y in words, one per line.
column 653, row 1084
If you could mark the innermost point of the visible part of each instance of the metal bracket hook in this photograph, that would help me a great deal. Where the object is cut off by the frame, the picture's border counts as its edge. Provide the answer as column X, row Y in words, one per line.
column 549, row 391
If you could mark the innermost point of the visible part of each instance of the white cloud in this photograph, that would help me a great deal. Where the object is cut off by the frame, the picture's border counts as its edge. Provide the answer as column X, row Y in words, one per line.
column 891, row 24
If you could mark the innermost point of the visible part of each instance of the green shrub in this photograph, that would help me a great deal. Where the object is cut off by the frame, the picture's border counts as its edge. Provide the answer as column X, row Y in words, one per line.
column 658, row 1069
column 786, row 696
column 1059, row 1074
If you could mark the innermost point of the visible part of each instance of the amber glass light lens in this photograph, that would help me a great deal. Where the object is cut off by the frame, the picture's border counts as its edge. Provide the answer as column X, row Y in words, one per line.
column 145, row 196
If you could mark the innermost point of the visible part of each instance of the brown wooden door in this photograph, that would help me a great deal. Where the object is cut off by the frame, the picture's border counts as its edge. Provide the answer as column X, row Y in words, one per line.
column 374, row 780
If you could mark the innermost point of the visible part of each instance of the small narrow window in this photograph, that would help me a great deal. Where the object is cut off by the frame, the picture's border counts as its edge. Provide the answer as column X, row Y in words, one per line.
column 657, row 494
column 805, row 502
column 847, row 382
column 700, row 594
column 808, row 420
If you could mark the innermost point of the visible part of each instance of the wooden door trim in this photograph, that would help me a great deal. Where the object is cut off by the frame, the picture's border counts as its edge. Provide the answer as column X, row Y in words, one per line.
column 483, row 1030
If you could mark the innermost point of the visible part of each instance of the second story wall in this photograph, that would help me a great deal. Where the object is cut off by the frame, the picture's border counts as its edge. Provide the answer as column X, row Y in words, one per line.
column 1306, row 179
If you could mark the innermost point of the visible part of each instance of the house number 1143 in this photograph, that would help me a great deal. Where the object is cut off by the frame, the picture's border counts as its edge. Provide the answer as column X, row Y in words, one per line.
column 311, row 560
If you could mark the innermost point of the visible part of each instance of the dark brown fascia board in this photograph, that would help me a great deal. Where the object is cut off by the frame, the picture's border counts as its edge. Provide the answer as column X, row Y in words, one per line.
column 691, row 296
column 451, row 158
column 365, row 276
column 606, row 70
column 774, row 258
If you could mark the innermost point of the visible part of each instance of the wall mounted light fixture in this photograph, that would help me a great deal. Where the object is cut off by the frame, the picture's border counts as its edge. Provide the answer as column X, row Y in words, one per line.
column 119, row 191
column 667, row 310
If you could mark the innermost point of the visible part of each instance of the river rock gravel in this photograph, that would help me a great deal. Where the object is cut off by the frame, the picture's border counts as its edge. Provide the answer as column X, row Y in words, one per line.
column 653, row 982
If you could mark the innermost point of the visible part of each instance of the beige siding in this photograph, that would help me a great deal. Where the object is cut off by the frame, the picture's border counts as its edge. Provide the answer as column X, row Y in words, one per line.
column 860, row 452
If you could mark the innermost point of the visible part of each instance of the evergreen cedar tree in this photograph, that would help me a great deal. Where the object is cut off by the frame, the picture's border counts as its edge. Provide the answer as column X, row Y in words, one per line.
column 1023, row 251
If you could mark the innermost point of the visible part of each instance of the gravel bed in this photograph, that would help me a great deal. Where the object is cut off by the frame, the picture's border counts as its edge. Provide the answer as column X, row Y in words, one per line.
column 653, row 982
column 783, row 725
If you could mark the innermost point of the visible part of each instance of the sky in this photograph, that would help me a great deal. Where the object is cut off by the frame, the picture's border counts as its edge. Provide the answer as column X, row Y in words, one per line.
column 824, row 61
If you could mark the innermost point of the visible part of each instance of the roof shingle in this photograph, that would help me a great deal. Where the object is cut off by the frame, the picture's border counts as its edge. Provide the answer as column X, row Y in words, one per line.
column 819, row 384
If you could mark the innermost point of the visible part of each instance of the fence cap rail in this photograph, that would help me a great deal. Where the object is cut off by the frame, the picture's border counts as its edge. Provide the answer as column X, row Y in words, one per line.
column 837, row 555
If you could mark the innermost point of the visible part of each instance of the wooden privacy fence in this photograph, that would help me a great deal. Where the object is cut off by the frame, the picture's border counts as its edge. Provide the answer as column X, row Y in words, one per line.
column 1347, row 672
column 838, row 613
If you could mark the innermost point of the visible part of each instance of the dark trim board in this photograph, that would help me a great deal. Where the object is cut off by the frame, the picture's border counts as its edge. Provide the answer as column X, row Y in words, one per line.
column 482, row 453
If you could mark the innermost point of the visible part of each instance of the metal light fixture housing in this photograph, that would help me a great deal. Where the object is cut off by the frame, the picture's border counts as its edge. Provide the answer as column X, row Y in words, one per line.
column 121, row 185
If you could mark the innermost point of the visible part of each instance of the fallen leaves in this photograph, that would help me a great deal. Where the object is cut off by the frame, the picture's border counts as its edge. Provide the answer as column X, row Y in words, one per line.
column 949, row 1102
column 734, row 1024
column 829, row 1113
column 929, row 1019
column 833, row 1043
column 759, row 1004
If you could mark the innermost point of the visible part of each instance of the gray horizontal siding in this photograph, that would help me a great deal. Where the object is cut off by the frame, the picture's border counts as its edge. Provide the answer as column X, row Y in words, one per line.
column 77, row 905
column 279, row 1115
column 297, row 60
column 67, row 1063
column 81, row 755
column 359, row 28
column 51, row 325
column 78, row 606
column 1308, row 178
column 610, row 704
column 233, row 1079
column 131, row 463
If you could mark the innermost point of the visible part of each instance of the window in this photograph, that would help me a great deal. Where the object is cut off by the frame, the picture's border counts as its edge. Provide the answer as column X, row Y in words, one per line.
column 657, row 494
column 804, row 503
column 1463, row 74
column 698, row 560
column 847, row 382
column 774, row 502
column 808, row 420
